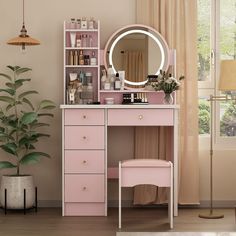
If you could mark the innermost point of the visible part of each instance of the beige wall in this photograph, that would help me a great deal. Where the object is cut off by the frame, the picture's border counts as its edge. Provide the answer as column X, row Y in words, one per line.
column 44, row 21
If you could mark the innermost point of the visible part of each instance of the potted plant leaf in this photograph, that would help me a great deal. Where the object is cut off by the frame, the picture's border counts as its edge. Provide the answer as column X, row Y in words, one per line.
column 20, row 125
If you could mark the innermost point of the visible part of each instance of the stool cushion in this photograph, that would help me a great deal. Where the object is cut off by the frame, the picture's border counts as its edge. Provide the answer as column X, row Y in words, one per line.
column 145, row 163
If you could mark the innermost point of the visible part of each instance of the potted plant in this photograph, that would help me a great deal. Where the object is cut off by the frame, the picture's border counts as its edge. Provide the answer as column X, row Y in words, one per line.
column 168, row 85
column 20, row 124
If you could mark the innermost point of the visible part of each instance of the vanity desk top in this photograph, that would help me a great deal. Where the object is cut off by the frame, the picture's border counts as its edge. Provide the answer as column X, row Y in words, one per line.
column 120, row 106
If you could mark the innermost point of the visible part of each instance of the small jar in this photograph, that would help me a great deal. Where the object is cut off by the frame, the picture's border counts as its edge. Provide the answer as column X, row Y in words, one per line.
column 89, row 77
column 72, row 23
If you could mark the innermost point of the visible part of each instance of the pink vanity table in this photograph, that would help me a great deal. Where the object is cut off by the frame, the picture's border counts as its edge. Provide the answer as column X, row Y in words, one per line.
column 85, row 171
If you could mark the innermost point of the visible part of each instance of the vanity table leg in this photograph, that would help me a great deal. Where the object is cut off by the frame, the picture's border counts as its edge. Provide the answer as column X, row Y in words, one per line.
column 119, row 195
column 175, row 156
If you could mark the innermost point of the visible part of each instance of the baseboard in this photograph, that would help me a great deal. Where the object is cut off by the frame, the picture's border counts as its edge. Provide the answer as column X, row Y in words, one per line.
column 129, row 203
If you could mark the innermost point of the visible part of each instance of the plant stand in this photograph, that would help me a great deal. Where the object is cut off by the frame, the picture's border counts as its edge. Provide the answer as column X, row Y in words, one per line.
column 24, row 209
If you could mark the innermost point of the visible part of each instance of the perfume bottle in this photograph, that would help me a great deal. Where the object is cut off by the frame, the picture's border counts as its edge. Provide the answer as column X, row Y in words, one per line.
column 111, row 76
column 93, row 60
column 81, row 58
column 117, row 83
column 103, row 79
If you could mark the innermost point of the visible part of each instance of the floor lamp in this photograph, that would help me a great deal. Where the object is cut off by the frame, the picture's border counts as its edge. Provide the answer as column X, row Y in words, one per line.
column 227, row 82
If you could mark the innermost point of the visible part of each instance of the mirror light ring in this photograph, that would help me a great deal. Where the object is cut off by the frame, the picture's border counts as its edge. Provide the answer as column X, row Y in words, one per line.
column 146, row 33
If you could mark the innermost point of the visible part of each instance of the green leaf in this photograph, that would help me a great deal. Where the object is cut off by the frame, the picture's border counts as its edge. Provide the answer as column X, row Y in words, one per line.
column 6, row 164
column 22, row 80
column 23, row 141
column 36, row 125
column 45, row 114
column 27, row 101
column 6, row 76
column 38, row 135
column 47, row 104
column 33, row 157
column 7, row 99
column 28, row 117
column 9, row 107
column 27, row 93
column 22, row 70
column 10, row 91
column 18, row 84
column 10, row 85
column 10, row 148
column 13, row 68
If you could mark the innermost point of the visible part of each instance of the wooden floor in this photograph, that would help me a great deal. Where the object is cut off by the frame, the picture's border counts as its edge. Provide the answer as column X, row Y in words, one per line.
column 48, row 221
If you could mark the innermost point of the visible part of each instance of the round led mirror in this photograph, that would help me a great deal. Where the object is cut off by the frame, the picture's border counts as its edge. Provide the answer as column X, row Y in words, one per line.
column 138, row 50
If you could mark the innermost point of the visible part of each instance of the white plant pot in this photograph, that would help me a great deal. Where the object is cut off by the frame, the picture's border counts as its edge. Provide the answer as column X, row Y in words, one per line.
column 15, row 186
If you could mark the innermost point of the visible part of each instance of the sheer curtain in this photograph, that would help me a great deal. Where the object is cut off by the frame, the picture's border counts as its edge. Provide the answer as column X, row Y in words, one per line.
column 176, row 20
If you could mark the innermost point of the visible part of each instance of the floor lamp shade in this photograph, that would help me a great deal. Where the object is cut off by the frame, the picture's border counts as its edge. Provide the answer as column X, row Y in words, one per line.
column 227, row 80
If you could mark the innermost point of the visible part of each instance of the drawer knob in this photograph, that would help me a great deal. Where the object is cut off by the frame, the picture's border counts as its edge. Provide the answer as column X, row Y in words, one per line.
column 140, row 117
column 84, row 116
column 84, row 137
column 84, row 161
column 84, row 188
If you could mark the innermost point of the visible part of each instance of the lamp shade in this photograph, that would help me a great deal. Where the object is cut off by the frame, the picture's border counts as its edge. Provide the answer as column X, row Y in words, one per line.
column 227, row 80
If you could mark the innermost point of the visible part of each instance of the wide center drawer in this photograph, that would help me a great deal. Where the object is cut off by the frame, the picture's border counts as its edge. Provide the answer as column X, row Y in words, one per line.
column 84, row 188
column 84, row 116
column 80, row 161
column 84, row 137
column 140, row 117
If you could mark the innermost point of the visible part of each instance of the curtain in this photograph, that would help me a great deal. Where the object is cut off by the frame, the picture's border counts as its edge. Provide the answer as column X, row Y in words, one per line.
column 176, row 20
column 134, row 66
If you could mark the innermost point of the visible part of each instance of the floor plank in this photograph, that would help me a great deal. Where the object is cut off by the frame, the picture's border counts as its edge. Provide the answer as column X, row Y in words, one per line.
column 48, row 221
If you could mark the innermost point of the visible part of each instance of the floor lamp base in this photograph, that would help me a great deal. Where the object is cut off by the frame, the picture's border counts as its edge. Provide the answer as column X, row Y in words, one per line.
column 211, row 216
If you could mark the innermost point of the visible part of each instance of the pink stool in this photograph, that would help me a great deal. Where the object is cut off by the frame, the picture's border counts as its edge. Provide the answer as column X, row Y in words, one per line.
column 146, row 171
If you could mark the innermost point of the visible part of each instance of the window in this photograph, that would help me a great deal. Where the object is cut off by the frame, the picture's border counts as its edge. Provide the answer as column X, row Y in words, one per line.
column 216, row 41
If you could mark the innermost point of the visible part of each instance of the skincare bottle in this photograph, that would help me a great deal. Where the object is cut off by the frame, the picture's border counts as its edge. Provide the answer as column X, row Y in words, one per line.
column 103, row 79
column 72, row 39
column 90, row 41
column 84, row 23
column 117, row 82
column 75, row 58
column 107, row 84
column 81, row 58
column 78, row 24
column 93, row 60
column 71, row 61
column 72, row 23
column 122, row 79
column 91, row 23
column 84, row 40
column 78, row 42
column 111, row 76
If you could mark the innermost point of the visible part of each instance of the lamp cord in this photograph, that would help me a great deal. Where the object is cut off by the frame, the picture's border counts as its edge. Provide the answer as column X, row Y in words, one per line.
column 23, row 11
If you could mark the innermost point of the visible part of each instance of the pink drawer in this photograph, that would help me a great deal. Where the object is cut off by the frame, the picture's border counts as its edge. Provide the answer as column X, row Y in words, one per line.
column 84, row 137
column 84, row 188
column 84, row 161
column 140, row 117
column 84, row 116
column 84, row 209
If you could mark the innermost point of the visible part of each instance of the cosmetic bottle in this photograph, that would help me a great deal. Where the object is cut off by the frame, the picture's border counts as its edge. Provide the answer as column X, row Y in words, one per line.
column 90, row 41
column 117, row 82
column 72, row 23
column 78, row 42
column 111, row 77
column 76, row 58
column 84, row 40
column 81, row 58
column 107, row 84
column 122, row 79
column 84, row 23
column 72, row 39
column 71, row 61
column 78, row 24
column 91, row 23
column 93, row 60
column 103, row 79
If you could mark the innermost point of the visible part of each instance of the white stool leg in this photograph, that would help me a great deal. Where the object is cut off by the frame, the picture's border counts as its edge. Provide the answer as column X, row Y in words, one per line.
column 119, row 195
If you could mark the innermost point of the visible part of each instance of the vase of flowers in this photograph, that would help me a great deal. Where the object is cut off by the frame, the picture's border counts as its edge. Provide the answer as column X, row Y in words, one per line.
column 168, row 84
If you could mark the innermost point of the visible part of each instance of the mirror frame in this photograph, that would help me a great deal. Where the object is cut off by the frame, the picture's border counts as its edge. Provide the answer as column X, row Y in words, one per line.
column 137, row 28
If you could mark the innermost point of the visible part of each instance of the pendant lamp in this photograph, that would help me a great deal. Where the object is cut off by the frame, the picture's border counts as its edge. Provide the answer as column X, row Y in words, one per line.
column 23, row 39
